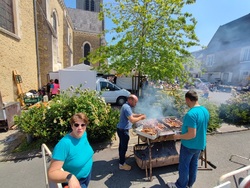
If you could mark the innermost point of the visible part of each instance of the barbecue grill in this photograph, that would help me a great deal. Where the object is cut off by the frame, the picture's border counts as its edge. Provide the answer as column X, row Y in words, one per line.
column 154, row 128
column 160, row 149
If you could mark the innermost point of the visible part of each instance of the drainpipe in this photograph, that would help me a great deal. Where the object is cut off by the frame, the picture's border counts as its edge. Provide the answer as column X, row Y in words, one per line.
column 37, row 51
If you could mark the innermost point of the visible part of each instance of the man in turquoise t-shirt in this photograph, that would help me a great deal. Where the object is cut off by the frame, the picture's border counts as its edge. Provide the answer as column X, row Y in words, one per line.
column 193, row 140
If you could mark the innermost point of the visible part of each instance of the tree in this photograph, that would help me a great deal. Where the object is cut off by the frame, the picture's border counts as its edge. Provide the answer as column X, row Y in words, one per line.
column 150, row 37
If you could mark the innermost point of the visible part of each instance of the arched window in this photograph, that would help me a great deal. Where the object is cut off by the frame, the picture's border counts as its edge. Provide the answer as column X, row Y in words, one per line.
column 92, row 5
column 54, row 22
column 87, row 4
column 86, row 53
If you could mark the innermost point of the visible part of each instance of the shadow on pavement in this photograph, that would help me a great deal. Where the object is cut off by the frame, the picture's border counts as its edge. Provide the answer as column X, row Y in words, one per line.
column 119, row 178
column 9, row 141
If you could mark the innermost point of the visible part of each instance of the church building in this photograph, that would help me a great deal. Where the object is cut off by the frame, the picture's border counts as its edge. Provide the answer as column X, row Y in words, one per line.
column 87, row 28
column 43, row 36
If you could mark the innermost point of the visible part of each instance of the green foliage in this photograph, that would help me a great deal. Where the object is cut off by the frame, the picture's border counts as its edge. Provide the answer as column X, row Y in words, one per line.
column 237, row 110
column 50, row 123
column 214, row 121
column 180, row 105
column 30, row 121
column 150, row 37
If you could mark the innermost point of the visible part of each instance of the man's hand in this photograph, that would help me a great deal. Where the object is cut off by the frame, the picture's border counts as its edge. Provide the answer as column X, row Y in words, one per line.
column 187, row 136
column 136, row 117
column 176, row 137
column 143, row 116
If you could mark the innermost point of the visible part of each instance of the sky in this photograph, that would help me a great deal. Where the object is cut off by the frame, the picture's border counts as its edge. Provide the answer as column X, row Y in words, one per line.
column 210, row 14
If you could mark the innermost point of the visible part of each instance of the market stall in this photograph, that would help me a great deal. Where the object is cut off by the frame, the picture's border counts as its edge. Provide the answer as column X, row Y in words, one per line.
column 158, row 148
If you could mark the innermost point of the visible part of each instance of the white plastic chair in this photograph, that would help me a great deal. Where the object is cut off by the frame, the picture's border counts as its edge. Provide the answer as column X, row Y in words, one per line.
column 242, row 157
column 245, row 182
column 49, row 184
column 226, row 184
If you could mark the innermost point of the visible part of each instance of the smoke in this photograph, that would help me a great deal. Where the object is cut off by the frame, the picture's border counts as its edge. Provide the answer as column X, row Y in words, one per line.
column 155, row 103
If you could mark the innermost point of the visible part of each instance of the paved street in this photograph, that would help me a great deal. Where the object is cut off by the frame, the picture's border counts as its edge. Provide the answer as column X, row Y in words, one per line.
column 219, row 97
column 29, row 173
column 219, row 149
column 23, row 174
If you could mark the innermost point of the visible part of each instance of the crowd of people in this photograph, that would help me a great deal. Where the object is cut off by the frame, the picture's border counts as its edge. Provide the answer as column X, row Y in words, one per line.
column 74, row 154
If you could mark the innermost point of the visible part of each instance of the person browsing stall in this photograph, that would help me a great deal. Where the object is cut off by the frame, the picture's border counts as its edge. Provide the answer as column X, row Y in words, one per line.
column 55, row 88
column 49, row 85
column 127, row 119
column 193, row 141
column 74, row 155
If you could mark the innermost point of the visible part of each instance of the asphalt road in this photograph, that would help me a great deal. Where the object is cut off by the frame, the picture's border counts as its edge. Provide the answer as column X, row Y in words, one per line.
column 219, row 97
column 29, row 173
column 219, row 149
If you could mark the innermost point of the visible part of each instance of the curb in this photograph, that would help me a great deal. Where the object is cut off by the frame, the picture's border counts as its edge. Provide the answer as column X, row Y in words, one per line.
column 230, row 131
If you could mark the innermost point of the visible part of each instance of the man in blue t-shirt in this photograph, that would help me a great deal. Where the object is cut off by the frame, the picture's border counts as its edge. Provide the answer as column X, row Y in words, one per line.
column 127, row 119
column 193, row 141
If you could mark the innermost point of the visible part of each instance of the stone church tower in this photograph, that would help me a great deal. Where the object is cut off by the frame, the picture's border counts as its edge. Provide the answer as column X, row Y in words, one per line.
column 88, row 29
column 90, row 5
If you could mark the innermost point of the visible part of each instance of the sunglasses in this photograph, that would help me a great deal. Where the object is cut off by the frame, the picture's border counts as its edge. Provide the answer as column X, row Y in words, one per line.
column 77, row 125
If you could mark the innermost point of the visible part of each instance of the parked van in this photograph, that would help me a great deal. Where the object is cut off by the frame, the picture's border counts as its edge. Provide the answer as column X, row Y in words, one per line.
column 111, row 92
column 88, row 79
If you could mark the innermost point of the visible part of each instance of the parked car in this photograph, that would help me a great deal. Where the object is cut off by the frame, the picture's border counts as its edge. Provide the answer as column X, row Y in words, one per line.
column 199, row 82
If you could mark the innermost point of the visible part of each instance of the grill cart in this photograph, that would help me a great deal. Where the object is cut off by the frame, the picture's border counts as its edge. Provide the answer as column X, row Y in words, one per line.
column 159, row 148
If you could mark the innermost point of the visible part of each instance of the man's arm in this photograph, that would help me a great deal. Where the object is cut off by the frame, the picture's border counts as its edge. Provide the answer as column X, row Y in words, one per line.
column 136, row 117
column 187, row 136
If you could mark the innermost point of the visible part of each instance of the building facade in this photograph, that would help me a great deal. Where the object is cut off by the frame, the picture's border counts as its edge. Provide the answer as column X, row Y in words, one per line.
column 18, row 48
column 87, row 33
column 55, row 37
column 227, row 57
column 88, row 5
column 42, row 36
column 88, row 29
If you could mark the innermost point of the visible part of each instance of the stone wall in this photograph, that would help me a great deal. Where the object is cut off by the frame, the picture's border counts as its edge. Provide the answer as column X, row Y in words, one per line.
column 19, row 53
column 47, row 49
column 67, row 43
column 79, row 39
column 44, row 42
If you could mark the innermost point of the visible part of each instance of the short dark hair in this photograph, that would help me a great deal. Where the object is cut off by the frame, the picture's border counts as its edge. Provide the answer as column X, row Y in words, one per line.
column 192, row 95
